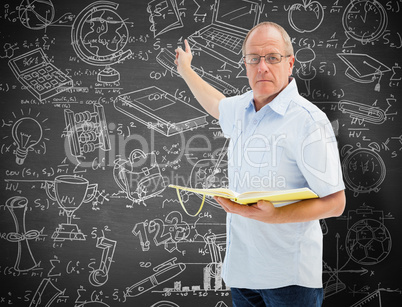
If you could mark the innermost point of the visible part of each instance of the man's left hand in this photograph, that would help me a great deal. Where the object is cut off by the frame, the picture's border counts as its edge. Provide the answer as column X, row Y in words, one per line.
column 263, row 211
column 301, row 211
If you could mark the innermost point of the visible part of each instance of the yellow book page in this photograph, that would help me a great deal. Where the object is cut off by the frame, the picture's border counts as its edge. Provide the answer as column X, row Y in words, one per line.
column 276, row 196
column 211, row 192
column 275, row 192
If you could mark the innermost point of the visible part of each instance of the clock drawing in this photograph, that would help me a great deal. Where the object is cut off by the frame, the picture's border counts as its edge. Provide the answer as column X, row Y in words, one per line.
column 364, row 20
column 363, row 168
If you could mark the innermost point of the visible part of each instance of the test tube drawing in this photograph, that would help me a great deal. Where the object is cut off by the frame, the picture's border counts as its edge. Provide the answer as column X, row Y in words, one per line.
column 25, row 261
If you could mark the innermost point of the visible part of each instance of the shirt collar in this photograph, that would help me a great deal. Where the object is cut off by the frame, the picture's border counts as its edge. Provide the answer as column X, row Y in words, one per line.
column 250, row 103
column 281, row 102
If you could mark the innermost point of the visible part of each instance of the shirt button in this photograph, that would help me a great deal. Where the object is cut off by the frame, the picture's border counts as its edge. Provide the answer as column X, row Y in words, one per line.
column 255, row 122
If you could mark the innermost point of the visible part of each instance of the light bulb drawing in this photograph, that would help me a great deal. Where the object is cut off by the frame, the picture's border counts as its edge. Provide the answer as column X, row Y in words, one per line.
column 26, row 132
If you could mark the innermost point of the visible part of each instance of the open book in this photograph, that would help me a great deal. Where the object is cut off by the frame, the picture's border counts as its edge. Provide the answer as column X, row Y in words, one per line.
column 246, row 198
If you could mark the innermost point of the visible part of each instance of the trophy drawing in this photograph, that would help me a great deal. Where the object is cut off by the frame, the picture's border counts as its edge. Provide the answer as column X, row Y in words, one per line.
column 70, row 192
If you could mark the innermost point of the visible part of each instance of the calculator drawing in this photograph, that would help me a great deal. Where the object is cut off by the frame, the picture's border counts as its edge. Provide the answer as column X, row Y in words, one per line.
column 38, row 75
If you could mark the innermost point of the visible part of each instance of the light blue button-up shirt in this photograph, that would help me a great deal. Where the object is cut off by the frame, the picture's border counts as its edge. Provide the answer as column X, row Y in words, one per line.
column 289, row 143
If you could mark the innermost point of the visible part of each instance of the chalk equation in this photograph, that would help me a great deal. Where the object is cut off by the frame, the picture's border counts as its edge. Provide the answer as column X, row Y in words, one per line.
column 96, row 122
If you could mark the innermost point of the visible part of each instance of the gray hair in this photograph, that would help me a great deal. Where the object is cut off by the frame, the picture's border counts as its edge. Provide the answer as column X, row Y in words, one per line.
column 282, row 31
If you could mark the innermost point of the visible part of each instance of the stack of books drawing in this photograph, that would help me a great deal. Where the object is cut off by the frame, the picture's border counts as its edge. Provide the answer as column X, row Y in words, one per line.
column 160, row 111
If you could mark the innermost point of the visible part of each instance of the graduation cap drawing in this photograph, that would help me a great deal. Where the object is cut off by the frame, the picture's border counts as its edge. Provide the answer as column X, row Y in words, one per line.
column 363, row 68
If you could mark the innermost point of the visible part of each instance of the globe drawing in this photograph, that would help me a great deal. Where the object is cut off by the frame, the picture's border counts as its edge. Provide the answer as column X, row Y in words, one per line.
column 99, row 37
column 36, row 14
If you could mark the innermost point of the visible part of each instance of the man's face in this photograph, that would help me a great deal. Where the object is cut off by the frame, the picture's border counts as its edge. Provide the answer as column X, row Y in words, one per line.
column 267, row 80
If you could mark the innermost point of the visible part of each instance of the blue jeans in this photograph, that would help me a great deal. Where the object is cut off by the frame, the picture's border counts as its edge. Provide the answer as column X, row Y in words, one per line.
column 291, row 296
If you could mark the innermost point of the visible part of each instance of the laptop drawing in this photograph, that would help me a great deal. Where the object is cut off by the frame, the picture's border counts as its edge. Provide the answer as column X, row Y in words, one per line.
column 231, row 21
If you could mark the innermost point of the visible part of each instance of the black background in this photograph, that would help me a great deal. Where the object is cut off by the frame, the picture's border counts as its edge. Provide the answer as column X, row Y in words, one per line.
column 361, row 248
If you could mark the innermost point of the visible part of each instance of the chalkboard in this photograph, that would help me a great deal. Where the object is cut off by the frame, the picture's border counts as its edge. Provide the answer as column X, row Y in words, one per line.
column 96, row 122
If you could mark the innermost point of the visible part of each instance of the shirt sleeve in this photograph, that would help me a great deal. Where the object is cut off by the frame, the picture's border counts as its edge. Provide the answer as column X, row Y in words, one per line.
column 318, row 158
column 226, row 116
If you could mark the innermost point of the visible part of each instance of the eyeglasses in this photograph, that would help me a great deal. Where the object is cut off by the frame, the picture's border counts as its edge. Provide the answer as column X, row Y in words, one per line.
column 270, row 58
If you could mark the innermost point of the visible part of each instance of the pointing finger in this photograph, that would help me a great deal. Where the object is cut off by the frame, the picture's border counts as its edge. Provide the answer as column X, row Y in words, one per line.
column 187, row 45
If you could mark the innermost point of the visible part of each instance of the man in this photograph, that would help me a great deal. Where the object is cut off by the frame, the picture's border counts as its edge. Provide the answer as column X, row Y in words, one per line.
column 279, row 140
